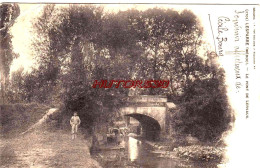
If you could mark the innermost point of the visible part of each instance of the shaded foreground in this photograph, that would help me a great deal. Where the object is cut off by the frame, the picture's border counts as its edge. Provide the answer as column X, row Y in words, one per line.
column 133, row 152
column 46, row 149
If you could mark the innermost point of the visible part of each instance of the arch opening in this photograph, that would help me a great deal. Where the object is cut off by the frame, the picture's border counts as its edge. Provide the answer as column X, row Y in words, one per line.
column 150, row 127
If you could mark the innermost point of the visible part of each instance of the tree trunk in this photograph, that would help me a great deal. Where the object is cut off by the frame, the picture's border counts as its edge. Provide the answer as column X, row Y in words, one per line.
column 2, row 100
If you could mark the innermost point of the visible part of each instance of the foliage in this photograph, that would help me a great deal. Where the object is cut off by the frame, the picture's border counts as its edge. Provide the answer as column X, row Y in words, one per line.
column 77, row 44
column 204, row 111
column 8, row 14
column 200, row 153
column 74, row 56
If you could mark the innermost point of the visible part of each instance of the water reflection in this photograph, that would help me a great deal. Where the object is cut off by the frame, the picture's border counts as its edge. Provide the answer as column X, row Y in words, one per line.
column 140, row 154
column 137, row 153
column 133, row 148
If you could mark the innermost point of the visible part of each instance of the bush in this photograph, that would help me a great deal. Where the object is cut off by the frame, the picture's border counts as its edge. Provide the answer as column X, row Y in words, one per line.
column 200, row 153
column 203, row 111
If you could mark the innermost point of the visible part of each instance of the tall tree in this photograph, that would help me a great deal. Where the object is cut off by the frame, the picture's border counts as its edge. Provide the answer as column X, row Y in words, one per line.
column 8, row 14
column 204, row 111
column 78, row 46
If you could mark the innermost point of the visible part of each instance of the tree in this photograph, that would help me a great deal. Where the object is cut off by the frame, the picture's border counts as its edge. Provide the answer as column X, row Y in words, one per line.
column 82, row 43
column 79, row 49
column 14, row 91
column 8, row 14
column 204, row 111
column 167, row 43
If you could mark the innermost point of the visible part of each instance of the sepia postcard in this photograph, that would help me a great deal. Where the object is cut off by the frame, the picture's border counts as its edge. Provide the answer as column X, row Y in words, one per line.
column 129, row 85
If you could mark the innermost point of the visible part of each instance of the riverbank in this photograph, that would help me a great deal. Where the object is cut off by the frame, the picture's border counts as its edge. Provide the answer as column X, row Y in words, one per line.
column 190, row 152
column 139, row 152
column 45, row 148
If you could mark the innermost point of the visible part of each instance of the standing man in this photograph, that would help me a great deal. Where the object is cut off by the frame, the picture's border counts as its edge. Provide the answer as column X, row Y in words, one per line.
column 74, row 122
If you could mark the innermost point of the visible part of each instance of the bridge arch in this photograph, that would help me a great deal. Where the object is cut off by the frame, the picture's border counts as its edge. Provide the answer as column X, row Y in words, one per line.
column 152, row 111
column 150, row 127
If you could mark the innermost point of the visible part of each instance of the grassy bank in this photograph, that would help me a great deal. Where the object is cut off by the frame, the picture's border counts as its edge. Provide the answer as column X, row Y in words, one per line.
column 196, row 151
column 17, row 118
column 200, row 153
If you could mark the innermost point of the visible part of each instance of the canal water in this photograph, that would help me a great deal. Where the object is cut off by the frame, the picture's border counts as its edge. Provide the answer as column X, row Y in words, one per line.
column 136, row 153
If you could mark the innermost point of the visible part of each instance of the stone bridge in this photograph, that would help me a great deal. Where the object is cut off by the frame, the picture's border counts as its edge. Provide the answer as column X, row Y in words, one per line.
column 152, row 111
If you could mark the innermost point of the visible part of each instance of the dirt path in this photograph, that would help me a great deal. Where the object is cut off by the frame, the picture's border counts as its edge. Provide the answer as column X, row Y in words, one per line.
column 42, row 149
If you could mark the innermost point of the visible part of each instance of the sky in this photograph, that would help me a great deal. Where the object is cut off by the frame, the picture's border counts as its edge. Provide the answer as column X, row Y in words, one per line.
column 242, row 139
column 22, row 36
